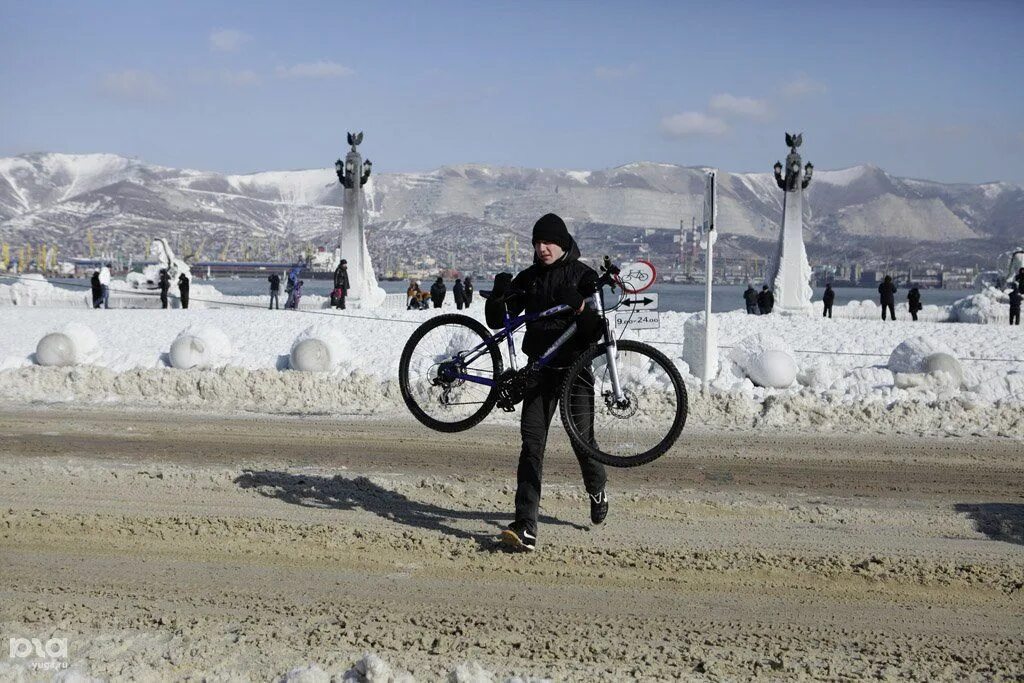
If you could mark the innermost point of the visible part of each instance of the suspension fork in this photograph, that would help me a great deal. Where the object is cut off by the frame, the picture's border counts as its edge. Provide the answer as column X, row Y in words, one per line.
column 610, row 346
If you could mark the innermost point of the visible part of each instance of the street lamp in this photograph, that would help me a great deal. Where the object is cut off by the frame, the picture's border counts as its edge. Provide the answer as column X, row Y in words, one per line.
column 808, row 172
column 778, row 175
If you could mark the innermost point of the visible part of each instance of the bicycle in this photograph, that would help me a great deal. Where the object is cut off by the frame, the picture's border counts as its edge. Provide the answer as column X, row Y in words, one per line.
column 623, row 402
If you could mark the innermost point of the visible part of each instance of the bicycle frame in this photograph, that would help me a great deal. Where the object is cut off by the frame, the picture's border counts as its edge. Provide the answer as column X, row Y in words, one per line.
column 512, row 324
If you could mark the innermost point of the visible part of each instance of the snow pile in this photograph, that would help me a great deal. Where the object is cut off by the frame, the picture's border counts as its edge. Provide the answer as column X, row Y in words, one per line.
column 200, row 346
column 72, row 344
column 319, row 348
column 32, row 289
column 844, row 379
column 693, row 345
column 766, row 360
column 989, row 306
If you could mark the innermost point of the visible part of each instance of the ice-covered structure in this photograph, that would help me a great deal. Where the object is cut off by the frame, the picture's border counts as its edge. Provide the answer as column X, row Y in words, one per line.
column 353, row 174
column 790, row 272
column 149, row 278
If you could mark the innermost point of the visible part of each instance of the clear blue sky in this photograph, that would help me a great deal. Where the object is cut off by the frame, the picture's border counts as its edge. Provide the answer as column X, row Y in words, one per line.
column 922, row 89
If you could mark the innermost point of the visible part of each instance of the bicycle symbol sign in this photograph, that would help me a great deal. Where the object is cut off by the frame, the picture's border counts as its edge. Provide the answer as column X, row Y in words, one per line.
column 637, row 276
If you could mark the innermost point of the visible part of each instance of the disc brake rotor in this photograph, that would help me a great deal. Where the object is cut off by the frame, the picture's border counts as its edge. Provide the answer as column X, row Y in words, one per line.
column 625, row 408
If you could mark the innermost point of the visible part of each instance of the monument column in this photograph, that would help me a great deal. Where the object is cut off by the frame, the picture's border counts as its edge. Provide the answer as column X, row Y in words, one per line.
column 353, row 175
column 790, row 272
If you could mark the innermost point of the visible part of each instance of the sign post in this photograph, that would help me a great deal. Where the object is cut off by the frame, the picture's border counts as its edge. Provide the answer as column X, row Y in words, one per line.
column 708, row 237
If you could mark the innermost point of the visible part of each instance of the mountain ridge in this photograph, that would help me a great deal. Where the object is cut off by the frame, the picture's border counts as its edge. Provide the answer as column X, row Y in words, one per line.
column 57, row 197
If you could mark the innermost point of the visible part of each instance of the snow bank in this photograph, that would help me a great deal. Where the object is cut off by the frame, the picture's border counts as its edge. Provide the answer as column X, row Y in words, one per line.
column 32, row 289
column 991, row 306
column 844, row 379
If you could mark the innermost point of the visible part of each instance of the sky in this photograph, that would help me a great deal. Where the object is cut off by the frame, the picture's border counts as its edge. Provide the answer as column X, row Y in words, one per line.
column 921, row 89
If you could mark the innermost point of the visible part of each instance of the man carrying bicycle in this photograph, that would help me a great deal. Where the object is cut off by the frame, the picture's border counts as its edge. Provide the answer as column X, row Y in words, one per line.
column 557, row 276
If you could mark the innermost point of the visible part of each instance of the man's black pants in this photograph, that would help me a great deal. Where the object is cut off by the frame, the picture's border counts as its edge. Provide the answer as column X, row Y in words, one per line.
column 1015, row 316
column 888, row 307
column 827, row 311
column 538, row 408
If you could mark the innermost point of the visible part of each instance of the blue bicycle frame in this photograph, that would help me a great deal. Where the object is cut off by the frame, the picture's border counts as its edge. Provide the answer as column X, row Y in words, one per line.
column 512, row 324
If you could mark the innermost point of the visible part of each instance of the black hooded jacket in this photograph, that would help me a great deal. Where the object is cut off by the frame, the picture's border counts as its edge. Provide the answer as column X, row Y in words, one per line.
column 545, row 287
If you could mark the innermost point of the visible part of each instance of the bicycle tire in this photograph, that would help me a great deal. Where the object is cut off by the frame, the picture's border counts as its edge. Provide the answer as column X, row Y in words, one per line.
column 582, row 365
column 408, row 395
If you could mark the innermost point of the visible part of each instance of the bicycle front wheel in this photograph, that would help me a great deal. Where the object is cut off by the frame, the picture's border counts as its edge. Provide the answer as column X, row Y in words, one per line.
column 640, row 427
column 437, row 368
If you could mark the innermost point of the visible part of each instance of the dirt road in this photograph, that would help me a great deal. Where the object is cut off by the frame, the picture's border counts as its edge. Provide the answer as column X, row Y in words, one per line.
column 176, row 546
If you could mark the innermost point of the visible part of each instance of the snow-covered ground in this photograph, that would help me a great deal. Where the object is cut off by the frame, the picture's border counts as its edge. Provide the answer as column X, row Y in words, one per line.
column 842, row 365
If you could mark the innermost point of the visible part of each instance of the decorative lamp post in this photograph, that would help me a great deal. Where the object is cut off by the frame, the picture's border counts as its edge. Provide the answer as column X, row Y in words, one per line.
column 353, row 173
column 790, row 272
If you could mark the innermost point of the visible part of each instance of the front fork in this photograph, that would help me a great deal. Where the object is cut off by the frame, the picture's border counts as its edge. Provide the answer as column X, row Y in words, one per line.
column 610, row 347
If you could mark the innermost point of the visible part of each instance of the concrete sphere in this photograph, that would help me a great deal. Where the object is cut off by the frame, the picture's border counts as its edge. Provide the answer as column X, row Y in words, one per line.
column 943, row 362
column 189, row 351
column 56, row 349
column 310, row 355
column 773, row 368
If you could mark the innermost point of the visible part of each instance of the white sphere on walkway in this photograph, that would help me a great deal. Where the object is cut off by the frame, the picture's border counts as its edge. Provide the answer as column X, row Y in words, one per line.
column 318, row 348
column 911, row 354
column 944, row 362
column 773, row 368
column 200, row 347
column 73, row 344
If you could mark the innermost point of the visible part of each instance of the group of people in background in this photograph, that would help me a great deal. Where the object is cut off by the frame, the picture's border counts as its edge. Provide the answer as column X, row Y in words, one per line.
column 100, row 285
column 759, row 303
column 292, row 288
column 417, row 299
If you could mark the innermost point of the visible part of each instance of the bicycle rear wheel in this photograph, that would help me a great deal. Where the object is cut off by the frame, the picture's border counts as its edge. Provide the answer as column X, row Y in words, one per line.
column 640, row 428
column 429, row 370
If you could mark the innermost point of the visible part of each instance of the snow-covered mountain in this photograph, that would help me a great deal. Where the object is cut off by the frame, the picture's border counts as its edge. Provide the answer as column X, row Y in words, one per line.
column 57, row 198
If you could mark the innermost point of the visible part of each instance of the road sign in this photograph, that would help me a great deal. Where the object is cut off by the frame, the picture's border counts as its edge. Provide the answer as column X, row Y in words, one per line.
column 648, row 301
column 637, row 276
column 638, row 320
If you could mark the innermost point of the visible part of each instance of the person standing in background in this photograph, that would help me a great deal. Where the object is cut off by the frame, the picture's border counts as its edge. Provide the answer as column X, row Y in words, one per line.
column 275, row 291
column 183, row 285
column 340, row 284
column 97, row 289
column 105, row 285
column 459, row 294
column 828, row 298
column 467, row 286
column 165, row 286
column 750, row 299
column 914, row 302
column 887, row 296
column 437, row 292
